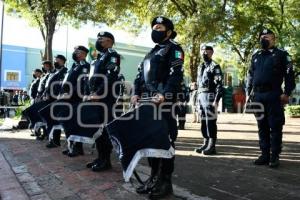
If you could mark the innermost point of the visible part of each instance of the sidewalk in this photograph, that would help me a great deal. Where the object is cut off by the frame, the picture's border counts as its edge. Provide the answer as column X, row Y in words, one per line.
column 40, row 173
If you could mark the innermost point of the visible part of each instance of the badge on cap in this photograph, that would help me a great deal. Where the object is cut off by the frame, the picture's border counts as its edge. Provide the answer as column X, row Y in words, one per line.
column 159, row 20
column 265, row 31
column 101, row 33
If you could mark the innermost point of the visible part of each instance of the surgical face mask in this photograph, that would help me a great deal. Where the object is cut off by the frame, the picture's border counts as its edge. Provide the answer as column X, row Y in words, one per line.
column 74, row 56
column 57, row 65
column 158, row 36
column 205, row 57
column 264, row 44
column 98, row 46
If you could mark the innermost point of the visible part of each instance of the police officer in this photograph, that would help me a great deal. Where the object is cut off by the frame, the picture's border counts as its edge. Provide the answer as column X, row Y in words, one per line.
column 31, row 113
column 37, row 73
column 47, row 70
column 103, row 74
column 210, row 90
column 68, row 94
column 270, row 67
column 181, row 108
column 51, row 90
column 160, row 75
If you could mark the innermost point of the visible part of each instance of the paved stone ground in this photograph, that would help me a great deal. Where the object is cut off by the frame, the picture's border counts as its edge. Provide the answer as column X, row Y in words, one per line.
column 30, row 171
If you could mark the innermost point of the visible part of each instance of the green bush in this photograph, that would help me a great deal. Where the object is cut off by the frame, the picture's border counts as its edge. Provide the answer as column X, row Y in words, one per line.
column 19, row 109
column 293, row 110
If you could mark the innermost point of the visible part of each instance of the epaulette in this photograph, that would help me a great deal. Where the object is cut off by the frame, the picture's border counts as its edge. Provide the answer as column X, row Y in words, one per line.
column 174, row 42
column 111, row 50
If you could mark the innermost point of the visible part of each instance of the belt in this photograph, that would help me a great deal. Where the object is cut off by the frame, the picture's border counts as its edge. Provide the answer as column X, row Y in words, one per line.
column 203, row 89
column 262, row 88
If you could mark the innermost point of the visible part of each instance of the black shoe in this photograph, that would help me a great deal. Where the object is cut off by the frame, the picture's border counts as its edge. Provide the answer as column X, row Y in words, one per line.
column 274, row 162
column 148, row 186
column 262, row 160
column 52, row 144
column 91, row 164
column 163, row 188
column 210, row 151
column 32, row 134
column 65, row 152
column 75, row 153
column 102, row 166
column 204, row 146
column 77, row 150
column 211, row 147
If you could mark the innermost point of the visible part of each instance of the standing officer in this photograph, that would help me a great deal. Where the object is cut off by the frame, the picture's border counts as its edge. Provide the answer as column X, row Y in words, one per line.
column 160, row 75
column 210, row 90
column 270, row 66
column 103, row 74
column 181, row 108
column 68, row 94
column 37, row 73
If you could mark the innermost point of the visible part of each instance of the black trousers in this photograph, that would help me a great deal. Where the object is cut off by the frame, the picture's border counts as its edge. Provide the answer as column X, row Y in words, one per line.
column 31, row 113
column 166, row 165
column 208, row 115
column 270, row 121
column 181, row 110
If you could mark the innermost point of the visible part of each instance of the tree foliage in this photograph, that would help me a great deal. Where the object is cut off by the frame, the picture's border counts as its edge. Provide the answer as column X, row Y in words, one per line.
column 47, row 15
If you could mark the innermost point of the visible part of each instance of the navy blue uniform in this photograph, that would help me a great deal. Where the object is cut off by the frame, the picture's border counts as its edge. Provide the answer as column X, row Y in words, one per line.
column 34, row 89
column 69, row 87
column 49, row 89
column 181, row 108
column 162, row 72
column 210, row 89
column 268, row 70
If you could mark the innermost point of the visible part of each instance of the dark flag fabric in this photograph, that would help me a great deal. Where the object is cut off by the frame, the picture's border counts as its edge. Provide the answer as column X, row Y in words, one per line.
column 86, row 123
column 139, row 133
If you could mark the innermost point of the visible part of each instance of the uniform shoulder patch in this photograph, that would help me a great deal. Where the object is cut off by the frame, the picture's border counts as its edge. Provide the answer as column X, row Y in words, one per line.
column 179, row 54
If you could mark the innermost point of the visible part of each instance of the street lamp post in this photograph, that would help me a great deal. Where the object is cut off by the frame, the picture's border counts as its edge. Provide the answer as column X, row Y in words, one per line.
column 1, row 40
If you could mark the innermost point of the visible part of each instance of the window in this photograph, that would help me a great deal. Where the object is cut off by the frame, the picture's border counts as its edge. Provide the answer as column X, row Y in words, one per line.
column 12, row 75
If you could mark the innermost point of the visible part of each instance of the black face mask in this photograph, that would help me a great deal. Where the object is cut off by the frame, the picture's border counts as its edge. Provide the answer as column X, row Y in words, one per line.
column 158, row 36
column 34, row 76
column 74, row 56
column 98, row 46
column 264, row 44
column 205, row 57
column 56, row 65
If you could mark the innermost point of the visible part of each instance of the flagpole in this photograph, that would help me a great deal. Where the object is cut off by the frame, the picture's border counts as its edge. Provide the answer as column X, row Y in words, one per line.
column 1, row 42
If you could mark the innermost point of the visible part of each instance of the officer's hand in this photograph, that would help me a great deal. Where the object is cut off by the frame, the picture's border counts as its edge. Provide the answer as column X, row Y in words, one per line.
column 134, row 99
column 284, row 99
column 158, row 99
column 85, row 98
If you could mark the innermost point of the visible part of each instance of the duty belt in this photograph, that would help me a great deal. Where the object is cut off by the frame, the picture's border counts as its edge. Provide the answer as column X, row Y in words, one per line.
column 263, row 88
column 203, row 89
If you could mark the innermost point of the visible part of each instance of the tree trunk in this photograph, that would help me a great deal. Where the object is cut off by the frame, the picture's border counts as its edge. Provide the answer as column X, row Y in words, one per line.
column 48, row 55
column 195, row 58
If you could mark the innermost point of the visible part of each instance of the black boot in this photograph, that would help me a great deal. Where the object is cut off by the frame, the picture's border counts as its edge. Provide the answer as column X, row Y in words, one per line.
column 91, row 164
column 149, row 183
column 274, row 161
column 103, row 164
column 263, row 159
column 162, row 188
column 211, row 147
column 53, row 144
column 204, row 146
column 77, row 150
